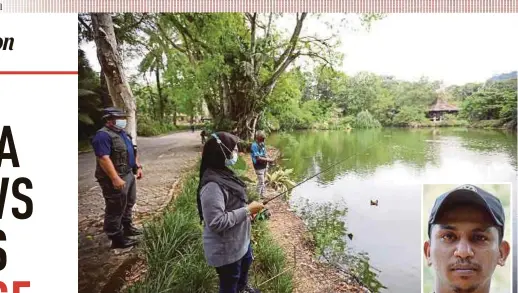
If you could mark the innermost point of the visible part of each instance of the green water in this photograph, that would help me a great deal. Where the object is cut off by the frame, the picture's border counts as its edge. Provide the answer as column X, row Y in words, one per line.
column 390, row 166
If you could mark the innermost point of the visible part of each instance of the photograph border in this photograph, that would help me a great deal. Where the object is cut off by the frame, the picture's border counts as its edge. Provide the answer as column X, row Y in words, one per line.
column 510, row 220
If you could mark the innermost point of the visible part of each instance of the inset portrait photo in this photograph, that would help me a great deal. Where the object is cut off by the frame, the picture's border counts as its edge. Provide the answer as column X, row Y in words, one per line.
column 466, row 238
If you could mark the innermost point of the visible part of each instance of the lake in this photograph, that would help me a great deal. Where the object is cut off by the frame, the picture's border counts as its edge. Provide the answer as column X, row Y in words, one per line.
column 390, row 165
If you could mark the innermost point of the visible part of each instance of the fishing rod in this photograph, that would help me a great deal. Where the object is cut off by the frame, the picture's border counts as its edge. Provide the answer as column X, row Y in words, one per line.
column 323, row 171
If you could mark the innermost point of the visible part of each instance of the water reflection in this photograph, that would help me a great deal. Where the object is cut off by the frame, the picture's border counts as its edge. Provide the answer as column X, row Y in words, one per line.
column 390, row 165
column 326, row 224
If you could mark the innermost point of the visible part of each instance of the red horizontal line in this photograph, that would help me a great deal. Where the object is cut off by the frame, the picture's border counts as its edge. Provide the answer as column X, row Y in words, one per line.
column 37, row 72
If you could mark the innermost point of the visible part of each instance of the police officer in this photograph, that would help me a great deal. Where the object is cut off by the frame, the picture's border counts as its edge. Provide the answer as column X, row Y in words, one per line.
column 117, row 165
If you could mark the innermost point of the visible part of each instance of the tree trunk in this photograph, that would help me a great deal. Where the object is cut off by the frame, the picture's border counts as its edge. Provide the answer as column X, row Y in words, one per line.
column 254, row 124
column 153, row 110
column 174, row 115
column 153, row 106
column 105, row 95
column 160, row 97
column 111, row 64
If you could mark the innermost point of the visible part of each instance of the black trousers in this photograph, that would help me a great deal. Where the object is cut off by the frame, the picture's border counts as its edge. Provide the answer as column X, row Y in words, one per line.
column 234, row 277
column 119, row 205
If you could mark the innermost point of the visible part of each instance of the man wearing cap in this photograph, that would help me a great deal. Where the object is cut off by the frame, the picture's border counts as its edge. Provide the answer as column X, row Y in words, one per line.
column 117, row 165
column 466, row 230
column 260, row 161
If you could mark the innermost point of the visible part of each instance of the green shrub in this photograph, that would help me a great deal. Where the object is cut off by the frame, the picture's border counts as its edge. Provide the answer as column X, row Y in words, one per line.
column 149, row 127
column 486, row 124
column 280, row 181
column 410, row 116
column 364, row 119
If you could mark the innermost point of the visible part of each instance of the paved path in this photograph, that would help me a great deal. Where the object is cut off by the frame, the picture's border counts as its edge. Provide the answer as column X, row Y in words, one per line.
column 164, row 158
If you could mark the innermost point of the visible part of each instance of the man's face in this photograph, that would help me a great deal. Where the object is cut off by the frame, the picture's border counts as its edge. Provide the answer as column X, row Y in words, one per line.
column 464, row 249
column 111, row 121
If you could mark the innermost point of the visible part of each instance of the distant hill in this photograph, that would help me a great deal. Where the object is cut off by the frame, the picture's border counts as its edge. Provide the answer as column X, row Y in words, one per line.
column 503, row 76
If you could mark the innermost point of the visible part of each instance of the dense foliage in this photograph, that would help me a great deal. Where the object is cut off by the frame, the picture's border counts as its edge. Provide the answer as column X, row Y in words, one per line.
column 329, row 100
column 492, row 101
column 243, row 72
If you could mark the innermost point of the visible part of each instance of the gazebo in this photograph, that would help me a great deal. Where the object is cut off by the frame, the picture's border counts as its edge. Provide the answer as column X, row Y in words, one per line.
column 439, row 108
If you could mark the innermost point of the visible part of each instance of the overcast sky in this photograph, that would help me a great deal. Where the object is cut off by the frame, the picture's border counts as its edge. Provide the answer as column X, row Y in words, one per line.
column 454, row 48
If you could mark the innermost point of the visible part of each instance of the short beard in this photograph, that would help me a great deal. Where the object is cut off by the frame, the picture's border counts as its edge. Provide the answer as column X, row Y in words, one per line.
column 469, row 290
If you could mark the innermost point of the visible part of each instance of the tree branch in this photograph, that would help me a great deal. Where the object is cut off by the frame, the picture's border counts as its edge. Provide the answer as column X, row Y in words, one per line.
column 90, row 34
column 132, row 26
column 318, row 56
column 164, row 34
column 269, row 26
column 293, row 42
column 187, row 34
column 315, row 39
column 268, row 85
column 248, row 16
column 252, row 40
column 287, row 57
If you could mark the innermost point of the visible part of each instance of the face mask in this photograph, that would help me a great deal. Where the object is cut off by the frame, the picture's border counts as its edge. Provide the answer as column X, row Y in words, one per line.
column 120, row 123
column 230, row 162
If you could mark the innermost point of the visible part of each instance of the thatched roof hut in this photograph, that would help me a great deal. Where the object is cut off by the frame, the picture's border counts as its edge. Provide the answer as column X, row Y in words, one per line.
column 441, row 105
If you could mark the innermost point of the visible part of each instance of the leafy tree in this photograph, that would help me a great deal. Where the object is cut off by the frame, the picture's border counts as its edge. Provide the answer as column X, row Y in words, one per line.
column 238, row 59
column 493, row 101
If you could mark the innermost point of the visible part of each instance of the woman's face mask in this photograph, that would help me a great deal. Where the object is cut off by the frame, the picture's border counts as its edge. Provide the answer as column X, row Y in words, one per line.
column 233, row 160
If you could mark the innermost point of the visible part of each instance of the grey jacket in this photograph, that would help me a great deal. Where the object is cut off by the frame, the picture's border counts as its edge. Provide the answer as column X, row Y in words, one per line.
column 226, row 232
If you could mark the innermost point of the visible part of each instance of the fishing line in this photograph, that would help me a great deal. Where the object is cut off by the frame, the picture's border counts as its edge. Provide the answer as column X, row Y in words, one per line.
column 300, row 183
column 323, row 171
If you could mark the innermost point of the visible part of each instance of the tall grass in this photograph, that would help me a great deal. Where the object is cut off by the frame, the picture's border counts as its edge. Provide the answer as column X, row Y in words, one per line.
column 173, row 250
column 270, row 261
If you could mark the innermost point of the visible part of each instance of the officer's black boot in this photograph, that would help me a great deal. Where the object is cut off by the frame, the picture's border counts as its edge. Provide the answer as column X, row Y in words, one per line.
column 130, row 230
column 123, row 242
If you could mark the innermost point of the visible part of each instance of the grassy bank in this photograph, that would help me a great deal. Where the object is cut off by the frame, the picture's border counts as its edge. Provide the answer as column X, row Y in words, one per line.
column 174, row 252
column 365, row 120
column 483, row 124
column 490, row 124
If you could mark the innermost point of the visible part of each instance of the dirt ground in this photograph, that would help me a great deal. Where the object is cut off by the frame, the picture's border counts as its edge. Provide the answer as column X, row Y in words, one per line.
column 165, row 158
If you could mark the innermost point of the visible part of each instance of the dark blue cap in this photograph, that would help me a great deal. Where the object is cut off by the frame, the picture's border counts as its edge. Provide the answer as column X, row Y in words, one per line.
column 469, row 194
column 113, row 112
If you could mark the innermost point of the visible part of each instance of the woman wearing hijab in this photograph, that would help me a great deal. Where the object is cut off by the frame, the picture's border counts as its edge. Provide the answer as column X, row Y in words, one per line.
column 226, row 216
